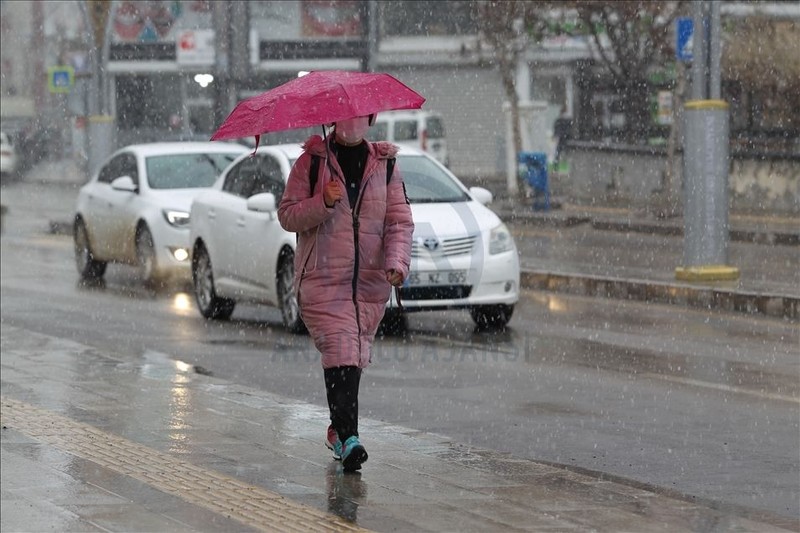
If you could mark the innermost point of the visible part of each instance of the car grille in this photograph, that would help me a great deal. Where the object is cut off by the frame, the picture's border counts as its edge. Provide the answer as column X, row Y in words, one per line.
column 443, row 248
column 439, row 292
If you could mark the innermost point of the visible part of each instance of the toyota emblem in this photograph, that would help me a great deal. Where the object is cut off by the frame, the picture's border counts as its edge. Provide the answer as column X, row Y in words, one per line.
column 431, row 244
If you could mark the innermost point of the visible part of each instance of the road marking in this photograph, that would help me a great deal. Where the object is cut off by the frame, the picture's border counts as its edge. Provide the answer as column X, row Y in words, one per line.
column 250, row 505
column 723, row 387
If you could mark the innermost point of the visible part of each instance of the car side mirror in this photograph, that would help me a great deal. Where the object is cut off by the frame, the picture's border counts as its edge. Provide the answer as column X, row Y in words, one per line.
column 262, row 202
column 124, row 183
column 481, row 195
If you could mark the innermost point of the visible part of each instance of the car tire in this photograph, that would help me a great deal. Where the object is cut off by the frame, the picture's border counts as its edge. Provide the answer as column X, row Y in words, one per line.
column 394, row 323
column 146, row 256
column 210, row 305
column 287, row 299
column 492, row 316
column 89, row 268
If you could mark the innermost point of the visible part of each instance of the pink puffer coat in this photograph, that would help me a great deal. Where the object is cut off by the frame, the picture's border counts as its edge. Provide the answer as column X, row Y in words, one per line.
column 343, row 311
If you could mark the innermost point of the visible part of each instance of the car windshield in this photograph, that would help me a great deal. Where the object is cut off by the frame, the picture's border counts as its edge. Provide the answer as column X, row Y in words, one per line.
column 426, row 182
column 186, row 171
column 435, row 128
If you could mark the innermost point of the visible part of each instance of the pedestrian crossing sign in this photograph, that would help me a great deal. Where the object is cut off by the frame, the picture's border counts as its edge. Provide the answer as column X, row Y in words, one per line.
column 60, row 79
column 684, row 38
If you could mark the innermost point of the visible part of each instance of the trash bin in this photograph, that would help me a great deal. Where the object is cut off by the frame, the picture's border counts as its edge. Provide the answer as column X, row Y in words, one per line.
column 533, row 168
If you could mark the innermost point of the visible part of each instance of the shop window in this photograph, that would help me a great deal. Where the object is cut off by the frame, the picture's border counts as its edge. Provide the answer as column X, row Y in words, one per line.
column 146, row 101
column 412, row 17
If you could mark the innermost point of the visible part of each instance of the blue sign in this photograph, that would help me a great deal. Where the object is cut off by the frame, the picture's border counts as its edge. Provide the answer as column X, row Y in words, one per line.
column 684, row 33
column 60, row 79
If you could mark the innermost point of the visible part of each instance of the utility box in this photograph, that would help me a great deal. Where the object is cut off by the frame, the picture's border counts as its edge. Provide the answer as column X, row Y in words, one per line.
column 533, row 169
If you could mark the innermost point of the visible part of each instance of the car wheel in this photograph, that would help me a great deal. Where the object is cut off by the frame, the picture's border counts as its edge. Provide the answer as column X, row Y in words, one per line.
column 210, row 305
column 287, row 299
column 394, row 323
column 492, row 316
column 146, row 256
column 88, row 267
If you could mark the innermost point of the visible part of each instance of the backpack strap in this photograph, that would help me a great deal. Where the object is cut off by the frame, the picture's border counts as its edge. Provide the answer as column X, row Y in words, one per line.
column 313, row 173
column 389, row 169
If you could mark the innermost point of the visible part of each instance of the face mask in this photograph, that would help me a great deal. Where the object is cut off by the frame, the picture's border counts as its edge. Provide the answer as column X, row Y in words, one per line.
column 352, row 130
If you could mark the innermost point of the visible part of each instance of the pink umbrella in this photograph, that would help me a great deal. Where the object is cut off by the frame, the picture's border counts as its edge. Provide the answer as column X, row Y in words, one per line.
column 318, row 98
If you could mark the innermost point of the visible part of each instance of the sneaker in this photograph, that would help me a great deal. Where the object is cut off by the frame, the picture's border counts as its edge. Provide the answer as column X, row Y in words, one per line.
column 333, row 443
column 353, row 454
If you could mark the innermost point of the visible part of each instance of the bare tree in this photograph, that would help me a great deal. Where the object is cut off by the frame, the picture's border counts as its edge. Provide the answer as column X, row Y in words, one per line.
column 761, row 57
column 761, row 50
column 506, row 25
column 630, row 39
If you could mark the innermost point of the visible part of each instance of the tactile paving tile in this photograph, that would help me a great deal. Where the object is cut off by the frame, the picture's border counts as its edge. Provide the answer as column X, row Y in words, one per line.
column 248, row 504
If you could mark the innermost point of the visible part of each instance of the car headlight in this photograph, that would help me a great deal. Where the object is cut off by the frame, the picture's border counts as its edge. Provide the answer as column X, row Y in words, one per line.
column 179, row 219
column 500, row 240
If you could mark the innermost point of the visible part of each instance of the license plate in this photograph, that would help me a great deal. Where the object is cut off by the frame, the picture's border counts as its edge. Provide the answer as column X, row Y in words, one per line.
column 437, row 277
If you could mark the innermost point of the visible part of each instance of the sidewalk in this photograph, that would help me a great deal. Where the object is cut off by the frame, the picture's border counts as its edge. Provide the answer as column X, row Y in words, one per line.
column 618, row 253
column 95, row 442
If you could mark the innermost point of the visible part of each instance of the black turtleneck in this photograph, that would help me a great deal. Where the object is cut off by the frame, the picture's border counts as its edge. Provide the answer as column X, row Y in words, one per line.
column 352, row 159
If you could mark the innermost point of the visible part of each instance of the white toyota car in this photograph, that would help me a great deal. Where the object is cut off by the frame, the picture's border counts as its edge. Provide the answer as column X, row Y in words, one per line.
column 463, row 256
column 135, row 209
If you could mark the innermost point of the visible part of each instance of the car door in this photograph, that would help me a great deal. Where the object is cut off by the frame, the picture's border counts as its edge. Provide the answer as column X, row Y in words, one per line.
column 224, row 242
column 125, row 209
column 97, row 213
column 262, row 231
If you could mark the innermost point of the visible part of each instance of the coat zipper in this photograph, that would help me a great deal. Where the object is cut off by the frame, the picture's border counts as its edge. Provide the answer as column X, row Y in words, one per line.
column 356, row 266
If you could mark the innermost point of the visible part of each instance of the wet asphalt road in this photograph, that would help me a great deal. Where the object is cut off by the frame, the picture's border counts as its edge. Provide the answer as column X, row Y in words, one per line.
column 702, row 403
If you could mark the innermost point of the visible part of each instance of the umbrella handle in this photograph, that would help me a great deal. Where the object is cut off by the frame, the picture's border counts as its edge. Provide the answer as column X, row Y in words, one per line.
column 327, row 153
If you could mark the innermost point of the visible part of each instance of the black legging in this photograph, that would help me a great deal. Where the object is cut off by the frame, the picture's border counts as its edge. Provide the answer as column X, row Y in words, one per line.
column 341, row 384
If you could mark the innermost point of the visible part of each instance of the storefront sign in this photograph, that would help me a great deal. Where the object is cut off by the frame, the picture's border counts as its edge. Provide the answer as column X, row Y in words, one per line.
column 195, row 48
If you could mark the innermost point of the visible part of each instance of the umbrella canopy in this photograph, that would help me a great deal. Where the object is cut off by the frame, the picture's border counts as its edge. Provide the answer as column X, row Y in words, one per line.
column 318, row 98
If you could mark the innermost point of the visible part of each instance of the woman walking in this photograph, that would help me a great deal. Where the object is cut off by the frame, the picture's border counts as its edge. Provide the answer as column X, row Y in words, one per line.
column 354, row 229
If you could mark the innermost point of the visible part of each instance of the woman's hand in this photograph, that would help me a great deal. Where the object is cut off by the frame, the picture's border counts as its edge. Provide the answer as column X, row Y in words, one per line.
column 394, row 278
column 332, row 193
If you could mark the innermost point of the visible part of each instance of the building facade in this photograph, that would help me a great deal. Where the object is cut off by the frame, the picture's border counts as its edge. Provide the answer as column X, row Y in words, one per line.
column 174, row 69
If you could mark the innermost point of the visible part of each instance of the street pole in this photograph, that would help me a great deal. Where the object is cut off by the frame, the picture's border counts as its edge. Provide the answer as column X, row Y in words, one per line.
column 239, row 48
column 100, row 126
column 372, row 35
column 714, row 55
column 699, row 51
column 221, row 20
column 706, row 144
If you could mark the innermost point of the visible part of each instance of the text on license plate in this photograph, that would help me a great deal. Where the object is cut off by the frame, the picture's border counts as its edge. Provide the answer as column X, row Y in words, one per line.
column 438, row 277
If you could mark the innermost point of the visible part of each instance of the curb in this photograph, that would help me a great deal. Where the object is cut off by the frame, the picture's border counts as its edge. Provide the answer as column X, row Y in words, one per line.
column 754, row 236
column 778, row 237
column 543, row 219
column 705, row 297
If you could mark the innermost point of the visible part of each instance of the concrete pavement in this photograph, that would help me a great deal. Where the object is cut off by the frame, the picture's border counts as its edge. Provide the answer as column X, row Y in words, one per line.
column 99, row 442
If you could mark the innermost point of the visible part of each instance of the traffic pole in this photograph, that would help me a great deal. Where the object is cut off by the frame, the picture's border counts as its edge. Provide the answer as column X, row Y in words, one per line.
column 706, row 145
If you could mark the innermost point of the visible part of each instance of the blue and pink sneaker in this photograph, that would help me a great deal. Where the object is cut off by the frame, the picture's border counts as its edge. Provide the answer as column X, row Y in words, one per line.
column 353, row 454
column 333, row 443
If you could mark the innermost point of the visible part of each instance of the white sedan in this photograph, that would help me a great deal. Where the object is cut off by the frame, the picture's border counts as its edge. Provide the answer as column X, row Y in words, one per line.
column 135, row 209
column 8, row 155
column 463, row 256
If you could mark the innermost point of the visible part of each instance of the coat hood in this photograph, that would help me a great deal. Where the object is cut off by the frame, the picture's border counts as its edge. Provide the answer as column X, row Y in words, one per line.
column 381, row 149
